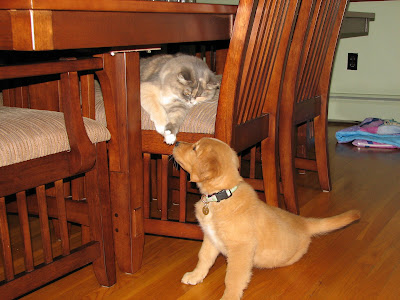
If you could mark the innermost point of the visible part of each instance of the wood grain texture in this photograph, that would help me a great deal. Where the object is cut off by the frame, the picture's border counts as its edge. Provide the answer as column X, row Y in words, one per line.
column 118, row 5
column 71, row 24
column 358, row 262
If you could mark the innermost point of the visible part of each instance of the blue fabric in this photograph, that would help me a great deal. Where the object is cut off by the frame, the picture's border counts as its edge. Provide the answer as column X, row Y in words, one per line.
column 372, row 129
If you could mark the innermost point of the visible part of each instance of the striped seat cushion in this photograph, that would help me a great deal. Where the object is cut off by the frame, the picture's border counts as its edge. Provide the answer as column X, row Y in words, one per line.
column 29, row 133
column 201, row 118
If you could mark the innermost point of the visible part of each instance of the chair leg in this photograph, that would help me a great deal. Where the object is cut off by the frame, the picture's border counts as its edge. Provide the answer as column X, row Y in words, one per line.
column 321, row 152
column 270, row 171
column 286, row 159
column 98, row 195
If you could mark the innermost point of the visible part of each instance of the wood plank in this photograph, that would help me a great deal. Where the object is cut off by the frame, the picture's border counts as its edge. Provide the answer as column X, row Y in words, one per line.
column 25, row 230
column 119, row 5
column 155, row 28
column 8, row 72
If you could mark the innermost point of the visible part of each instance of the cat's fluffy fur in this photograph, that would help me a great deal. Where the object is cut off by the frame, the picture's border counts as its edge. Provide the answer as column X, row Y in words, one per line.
column 245, row 229
column 170, row 86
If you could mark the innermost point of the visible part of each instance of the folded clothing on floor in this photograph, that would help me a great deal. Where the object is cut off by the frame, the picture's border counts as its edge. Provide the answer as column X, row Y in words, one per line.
column 375, row 130
column 370, row 144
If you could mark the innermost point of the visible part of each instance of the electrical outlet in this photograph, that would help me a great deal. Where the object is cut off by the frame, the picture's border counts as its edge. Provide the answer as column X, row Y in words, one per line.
column 352, row 61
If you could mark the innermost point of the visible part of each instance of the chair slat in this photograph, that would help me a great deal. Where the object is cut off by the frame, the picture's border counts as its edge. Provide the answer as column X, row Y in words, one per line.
column 164, row 187
column 276, row 36
column 182, row 195
column 312, row 66
column 315, row 8
column 25, row 231
column 146, row 183
column 88, row 96
column 62, row 217
column 78, row 188
column 85, row 234
column 329, row 24
column 82, row 154
column 316, row 46
column 251, row 69
column 252, row 163
column 5, row 242
column 264, row 50
column 44, row 224
column 257, row 50
column 16, row 97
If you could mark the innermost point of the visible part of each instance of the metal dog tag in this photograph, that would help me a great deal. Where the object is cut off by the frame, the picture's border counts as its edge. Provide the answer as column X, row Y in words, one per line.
column 205, row 209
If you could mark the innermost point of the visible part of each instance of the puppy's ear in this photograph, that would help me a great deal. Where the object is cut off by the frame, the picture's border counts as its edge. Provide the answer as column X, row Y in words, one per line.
column 206, row 170
column 194, row 177
column 236, row 161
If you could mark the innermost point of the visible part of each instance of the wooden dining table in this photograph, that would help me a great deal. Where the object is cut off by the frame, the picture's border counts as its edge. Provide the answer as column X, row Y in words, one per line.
column 116, row 29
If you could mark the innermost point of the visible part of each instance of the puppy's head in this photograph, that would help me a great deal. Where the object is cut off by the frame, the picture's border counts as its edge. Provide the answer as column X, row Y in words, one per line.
column 212, row 164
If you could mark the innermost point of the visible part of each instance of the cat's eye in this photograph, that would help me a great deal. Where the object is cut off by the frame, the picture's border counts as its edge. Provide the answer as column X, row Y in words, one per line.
column 186, row 93
column 194, row 148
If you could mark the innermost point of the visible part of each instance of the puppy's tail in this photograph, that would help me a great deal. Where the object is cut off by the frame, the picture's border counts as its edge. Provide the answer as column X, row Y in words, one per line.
column 321, row 226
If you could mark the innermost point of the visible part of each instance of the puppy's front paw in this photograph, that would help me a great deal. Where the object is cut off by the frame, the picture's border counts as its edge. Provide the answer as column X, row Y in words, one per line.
column 169, row 138
column 192, row 278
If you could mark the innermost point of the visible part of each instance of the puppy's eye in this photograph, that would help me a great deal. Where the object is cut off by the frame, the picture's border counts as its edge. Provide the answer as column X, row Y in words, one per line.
column 194, row 148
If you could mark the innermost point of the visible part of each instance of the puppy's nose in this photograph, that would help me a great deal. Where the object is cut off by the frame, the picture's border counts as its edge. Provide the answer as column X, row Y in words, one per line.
column 177, row 144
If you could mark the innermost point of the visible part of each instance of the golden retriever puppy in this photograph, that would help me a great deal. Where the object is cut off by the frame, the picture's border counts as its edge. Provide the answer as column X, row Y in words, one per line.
column 238, row 224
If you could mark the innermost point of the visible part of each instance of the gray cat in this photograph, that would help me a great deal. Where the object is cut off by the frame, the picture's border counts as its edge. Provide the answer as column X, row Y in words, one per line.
column 170, row 85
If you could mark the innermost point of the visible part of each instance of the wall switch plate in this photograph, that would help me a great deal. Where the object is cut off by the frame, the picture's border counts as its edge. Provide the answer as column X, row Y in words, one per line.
column 352, row 61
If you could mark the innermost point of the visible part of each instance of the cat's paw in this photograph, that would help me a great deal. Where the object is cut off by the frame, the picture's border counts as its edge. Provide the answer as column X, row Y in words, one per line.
column 160, row 128
column 169, row 138
column 192, row 278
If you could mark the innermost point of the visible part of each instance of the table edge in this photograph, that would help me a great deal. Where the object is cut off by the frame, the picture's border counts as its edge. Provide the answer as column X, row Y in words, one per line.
column 119, row 6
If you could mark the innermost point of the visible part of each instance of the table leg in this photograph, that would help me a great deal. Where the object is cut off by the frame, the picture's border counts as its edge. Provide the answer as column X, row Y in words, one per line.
column 127, row 180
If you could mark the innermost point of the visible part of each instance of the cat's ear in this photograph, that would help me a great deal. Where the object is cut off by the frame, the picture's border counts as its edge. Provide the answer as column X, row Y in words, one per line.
column 213, row 83
column 184, row 76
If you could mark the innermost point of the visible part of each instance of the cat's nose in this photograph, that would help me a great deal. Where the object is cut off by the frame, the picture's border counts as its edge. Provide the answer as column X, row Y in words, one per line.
column 177, row 144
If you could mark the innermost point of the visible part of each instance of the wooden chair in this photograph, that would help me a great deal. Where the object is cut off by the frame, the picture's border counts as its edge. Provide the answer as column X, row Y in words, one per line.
column 54, row 165
column 244, row 116
column 305, row 91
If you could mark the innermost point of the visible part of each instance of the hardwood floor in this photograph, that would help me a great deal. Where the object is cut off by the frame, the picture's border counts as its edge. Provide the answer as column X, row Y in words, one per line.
column 361, row 261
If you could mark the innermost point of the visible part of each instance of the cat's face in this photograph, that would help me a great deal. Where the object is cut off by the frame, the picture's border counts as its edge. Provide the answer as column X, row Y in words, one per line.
column 196, row 90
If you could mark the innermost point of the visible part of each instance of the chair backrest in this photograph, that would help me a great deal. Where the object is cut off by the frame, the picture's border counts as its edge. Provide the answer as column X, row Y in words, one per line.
column 253, row 71
column 317, row 41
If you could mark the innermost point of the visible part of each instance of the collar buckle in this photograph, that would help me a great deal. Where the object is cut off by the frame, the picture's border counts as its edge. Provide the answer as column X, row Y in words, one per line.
column 221, row 195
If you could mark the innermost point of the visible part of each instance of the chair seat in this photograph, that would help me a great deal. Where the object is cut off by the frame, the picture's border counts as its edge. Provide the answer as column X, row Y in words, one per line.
column 201, row 118
column 26, row 134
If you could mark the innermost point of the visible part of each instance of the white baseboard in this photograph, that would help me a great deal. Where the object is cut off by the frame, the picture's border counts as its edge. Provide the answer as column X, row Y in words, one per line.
column 357, row 107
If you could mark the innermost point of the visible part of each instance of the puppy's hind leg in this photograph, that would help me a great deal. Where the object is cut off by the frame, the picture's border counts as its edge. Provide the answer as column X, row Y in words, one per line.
column 207, row 255
column 238, row 271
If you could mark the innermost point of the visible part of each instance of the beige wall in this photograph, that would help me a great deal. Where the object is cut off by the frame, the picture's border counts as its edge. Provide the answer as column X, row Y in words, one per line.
column 373, row 89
